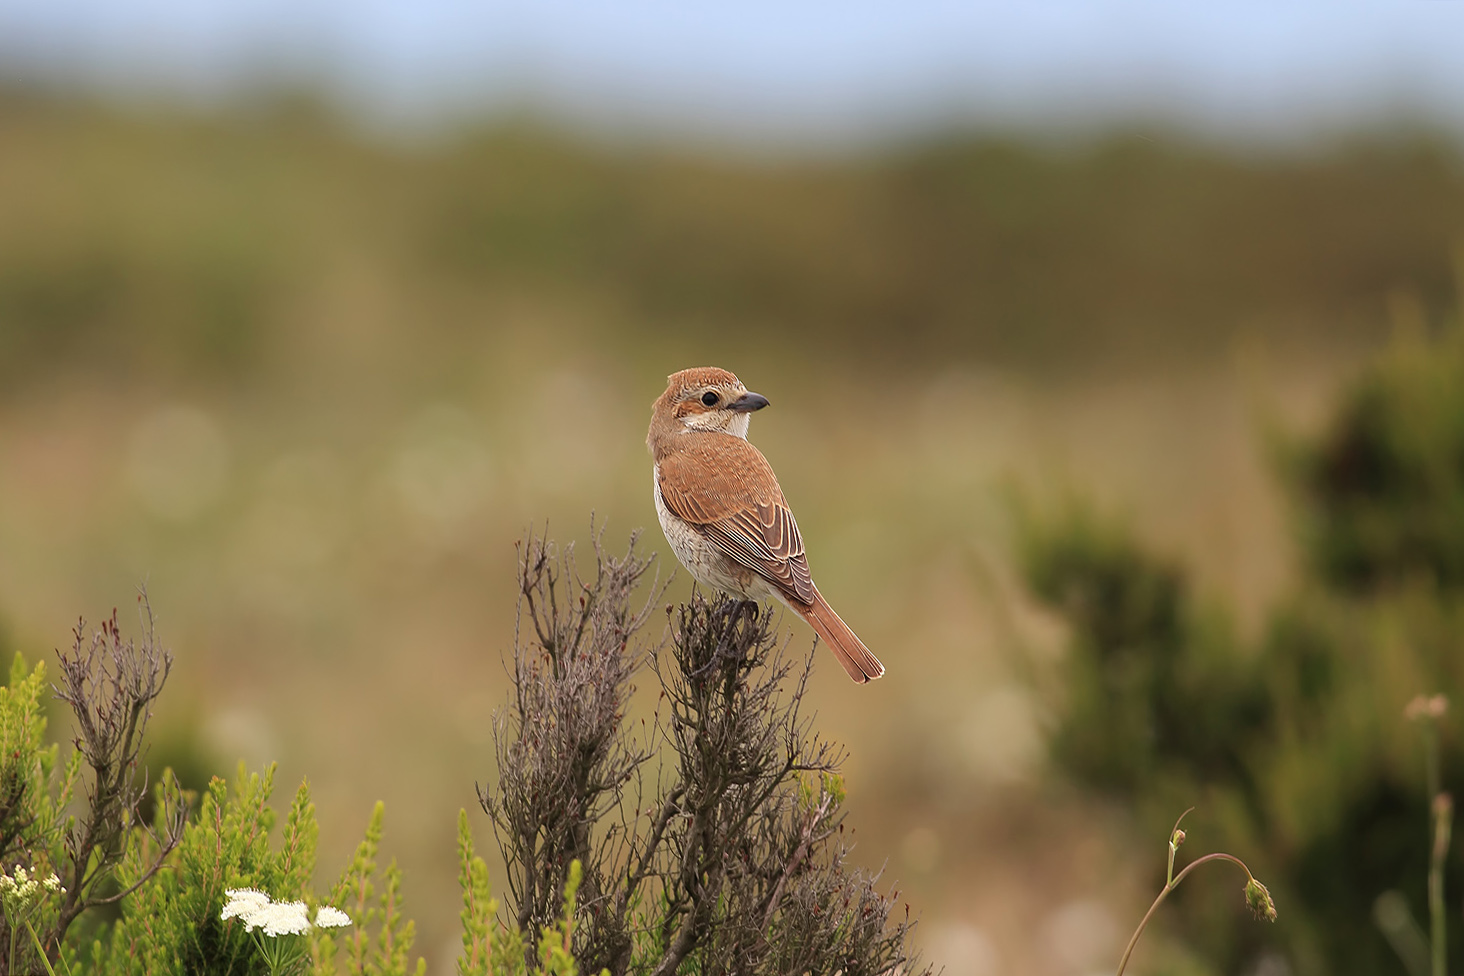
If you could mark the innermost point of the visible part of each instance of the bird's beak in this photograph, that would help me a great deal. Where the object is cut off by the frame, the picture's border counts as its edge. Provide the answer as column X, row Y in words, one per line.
column 748, row 402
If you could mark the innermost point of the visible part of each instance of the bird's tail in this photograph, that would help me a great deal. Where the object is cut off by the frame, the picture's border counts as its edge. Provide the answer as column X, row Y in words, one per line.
column 849, row 649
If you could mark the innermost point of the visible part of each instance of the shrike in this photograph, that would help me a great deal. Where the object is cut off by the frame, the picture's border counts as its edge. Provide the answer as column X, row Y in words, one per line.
column 722, row 510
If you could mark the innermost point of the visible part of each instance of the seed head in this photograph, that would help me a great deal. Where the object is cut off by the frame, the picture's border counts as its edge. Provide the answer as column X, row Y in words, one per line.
column 1426, row 708
column 1258, row 900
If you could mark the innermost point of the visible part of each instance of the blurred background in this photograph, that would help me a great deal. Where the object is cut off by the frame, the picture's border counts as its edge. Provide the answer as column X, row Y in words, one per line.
column 1117, row 378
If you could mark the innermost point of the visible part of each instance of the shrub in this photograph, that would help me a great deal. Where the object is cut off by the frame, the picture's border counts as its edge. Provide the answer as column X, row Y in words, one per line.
column 736, row 865
column 45, row 828
column 1295, row 745
column 79, row 820
column 713, row 842
column 1381, row 492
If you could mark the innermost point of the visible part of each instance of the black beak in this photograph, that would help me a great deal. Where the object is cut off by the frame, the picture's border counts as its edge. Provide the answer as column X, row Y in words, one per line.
column 748, row 402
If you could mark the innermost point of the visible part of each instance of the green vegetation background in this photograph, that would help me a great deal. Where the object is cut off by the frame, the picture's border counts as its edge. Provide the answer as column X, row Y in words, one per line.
column 311, row 386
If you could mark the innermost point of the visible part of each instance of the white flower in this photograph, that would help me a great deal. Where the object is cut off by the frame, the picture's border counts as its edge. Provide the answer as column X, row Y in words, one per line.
column 280, row 918
column 21, row 891
column 329, row 918
column 244, row 902
column 257, row 911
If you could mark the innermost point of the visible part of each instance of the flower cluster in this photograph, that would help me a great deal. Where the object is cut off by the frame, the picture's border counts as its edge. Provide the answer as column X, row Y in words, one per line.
column 278, row 918
column 21, row 891
column 272, row 923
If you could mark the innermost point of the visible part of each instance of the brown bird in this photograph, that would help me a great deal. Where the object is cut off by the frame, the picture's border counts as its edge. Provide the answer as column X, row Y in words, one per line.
column 723, row 512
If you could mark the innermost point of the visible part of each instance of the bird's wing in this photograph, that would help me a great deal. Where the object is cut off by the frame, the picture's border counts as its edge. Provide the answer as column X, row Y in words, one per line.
column 725, row 488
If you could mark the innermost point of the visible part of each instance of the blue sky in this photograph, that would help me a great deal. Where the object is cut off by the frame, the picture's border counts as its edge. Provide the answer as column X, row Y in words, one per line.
column 791, row 71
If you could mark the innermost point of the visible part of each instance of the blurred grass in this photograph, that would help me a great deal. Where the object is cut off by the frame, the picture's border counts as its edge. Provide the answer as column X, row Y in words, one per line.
column 174, row 245
column 312, row 387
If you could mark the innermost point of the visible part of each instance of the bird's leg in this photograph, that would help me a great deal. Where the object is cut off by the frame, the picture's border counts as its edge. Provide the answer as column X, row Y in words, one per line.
column 737, row 610
column 720, row 650
column 743, row 608
column 749, row 609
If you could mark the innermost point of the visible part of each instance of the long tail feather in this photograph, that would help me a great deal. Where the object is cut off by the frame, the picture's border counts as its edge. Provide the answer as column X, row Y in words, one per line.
column 849, row 649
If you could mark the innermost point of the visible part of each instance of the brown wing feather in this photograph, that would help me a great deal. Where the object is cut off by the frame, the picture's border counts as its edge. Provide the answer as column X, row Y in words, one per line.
column 727, row 489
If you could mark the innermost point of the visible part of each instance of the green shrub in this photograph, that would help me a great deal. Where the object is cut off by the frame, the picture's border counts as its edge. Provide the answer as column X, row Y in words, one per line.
column 1156, row 689
column 737, row 866
column 1294, row 746
column 1381, row 492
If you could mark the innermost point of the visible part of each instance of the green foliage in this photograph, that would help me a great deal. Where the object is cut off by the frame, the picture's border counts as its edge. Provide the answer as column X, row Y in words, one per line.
column 178, row 892
column 1293, row 747
column 34, row 796
column 491, row 948
column 33, row 793
column 556, row 942
column 172, row 923
column 1156, row 688
column 479, row 906
column 1382, row 491
column 386, row 953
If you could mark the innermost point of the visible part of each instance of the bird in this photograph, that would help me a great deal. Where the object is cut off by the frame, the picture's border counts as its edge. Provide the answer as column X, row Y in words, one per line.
column 723, row 512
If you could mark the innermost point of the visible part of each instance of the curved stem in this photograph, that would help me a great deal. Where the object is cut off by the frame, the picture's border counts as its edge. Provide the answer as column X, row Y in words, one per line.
column 1218, row 856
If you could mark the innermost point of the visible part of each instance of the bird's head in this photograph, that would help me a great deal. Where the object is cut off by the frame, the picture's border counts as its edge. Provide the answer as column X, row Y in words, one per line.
column 704, row 398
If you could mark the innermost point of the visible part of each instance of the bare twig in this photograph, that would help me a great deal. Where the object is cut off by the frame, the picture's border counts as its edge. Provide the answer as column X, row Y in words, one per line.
column 798, row 855
column 724, row 862
column 564, row 758
column 111, row 682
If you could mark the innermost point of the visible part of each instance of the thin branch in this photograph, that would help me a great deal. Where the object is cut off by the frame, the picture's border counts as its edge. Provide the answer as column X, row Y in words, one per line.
column 798, row 855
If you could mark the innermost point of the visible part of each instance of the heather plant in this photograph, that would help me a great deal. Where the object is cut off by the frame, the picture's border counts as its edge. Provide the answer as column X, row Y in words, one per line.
column 195, row 917
column 34, row 794
column 380, row 942
column 174, row 924
column 707, row 839
column 77, row 821
column 493, row 948
column 710, row 842
column 72, row 841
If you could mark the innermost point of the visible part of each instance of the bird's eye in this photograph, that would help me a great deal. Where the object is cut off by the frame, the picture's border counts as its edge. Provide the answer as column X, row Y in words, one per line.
column 709, row 398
